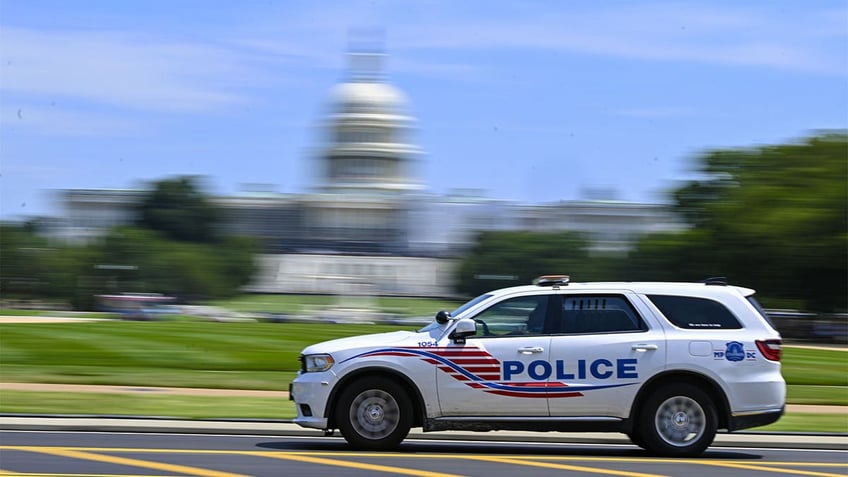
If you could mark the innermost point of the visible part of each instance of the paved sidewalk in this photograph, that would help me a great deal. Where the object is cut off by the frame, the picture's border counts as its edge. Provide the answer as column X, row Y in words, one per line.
column 86, row 388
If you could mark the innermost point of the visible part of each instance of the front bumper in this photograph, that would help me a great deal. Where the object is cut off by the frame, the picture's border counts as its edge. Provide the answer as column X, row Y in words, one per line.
column 310, row 393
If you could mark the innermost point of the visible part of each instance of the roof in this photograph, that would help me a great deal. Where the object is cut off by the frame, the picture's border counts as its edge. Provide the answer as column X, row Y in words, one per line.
column 636, row 287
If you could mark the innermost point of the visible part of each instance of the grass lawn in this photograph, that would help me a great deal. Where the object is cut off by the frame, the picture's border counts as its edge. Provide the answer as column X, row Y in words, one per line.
column 251, row 356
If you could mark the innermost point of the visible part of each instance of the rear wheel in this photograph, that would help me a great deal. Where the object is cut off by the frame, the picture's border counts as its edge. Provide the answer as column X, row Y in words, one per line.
column 678, row 420
column 374, row 413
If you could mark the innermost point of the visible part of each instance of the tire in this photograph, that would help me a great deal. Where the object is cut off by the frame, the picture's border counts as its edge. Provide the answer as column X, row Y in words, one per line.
column 678, row 420
column 374, row 414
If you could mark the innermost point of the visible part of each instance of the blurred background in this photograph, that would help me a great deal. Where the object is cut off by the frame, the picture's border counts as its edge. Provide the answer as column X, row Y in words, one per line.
column 260, row 150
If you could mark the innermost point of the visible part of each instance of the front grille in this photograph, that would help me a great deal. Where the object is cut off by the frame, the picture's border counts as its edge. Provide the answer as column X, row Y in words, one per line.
column 302, row 363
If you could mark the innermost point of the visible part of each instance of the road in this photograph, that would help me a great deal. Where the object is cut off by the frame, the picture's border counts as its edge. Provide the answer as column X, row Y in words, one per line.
column 60, row 453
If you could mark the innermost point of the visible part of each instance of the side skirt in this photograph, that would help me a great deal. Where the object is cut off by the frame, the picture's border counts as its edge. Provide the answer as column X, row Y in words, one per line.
column 542, row 424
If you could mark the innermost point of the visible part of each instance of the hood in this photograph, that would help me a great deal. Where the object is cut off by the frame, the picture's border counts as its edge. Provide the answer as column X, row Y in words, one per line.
column 356, row 342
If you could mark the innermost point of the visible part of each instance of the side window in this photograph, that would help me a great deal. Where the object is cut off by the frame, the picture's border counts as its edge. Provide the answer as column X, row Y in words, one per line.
column 598, row 314
column 695, row 313
column 516, row 316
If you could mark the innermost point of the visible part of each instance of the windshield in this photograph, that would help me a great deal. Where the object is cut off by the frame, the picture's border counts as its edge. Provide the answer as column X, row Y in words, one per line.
column 457, row 312
column 468, row 304
column 753, row 301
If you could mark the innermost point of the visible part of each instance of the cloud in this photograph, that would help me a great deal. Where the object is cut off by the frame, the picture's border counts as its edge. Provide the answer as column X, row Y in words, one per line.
column 118, row 69
column 799, row 39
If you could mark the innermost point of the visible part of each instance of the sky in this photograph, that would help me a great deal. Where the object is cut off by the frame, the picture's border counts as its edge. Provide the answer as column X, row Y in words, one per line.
column 531, row 101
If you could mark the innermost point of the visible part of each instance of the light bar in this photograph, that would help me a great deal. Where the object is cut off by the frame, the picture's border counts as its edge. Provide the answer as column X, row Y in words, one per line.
column 550, row 280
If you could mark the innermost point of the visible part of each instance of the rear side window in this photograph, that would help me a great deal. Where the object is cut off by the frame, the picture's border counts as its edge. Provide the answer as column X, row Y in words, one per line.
column 695, row 313
column 597, row 314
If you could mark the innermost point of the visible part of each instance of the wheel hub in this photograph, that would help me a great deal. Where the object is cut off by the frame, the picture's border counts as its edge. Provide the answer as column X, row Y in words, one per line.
column 374, row 413
column 680, row 420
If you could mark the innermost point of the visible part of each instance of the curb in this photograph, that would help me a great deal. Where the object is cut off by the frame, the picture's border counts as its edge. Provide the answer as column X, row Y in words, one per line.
column 146, row 424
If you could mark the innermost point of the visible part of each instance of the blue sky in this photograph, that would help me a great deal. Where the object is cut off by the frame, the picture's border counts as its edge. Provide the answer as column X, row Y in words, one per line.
column 533, row 101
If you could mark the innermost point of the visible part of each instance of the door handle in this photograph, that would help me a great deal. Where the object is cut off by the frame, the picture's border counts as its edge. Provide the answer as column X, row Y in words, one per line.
column 531, row 350
column 644, row 347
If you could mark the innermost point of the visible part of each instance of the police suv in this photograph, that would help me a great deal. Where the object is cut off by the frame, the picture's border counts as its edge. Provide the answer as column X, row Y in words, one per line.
column 665, row 363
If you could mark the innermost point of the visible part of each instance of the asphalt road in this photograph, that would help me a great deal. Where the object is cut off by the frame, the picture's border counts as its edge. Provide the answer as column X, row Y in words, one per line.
column 59, row 453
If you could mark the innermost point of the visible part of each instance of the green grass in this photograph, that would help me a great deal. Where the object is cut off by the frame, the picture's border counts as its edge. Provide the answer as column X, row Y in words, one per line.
column 254, row 356
column 190, row 354
column 817, row 395
column 804, row 422
column 821, row 367
column 146, row 404
column 231, row 355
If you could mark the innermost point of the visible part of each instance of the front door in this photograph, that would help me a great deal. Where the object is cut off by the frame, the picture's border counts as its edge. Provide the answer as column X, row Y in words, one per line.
column 502, row 370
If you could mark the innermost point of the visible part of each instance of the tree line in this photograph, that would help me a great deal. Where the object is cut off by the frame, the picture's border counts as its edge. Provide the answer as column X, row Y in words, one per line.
column 773, row 218
column 174, row 247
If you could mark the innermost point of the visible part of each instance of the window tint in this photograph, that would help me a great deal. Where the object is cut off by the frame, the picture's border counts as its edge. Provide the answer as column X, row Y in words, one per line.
column 598, row 314
column 753, row 301
column 468, row 305
column 516, row 316
column 695, row 313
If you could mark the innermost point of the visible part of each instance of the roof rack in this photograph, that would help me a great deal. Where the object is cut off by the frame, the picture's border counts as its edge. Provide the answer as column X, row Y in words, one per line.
column 718, row 281
column 552, row 281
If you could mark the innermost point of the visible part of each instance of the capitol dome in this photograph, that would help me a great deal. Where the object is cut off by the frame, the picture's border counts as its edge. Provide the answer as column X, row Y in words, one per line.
column 366, row 90
column 368, row 98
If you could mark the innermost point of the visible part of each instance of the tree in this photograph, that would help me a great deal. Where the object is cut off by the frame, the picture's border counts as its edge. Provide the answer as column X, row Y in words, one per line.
column 178, row 208
column 22, row 262
column 774, row 218
column 515, row 258
column 139, row 260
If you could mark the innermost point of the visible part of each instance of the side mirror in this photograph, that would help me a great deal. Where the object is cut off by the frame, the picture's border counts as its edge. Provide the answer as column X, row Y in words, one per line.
column 464, row 328
column 443, row 317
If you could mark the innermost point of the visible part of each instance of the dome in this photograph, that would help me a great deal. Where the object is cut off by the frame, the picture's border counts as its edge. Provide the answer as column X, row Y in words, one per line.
column 367, row 97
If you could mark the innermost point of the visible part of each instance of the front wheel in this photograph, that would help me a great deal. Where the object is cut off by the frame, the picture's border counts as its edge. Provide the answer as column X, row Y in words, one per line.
column 678, row 420
column 374, row 414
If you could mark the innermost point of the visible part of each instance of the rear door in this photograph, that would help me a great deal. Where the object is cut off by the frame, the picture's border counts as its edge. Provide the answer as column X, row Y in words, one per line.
column 602, row 350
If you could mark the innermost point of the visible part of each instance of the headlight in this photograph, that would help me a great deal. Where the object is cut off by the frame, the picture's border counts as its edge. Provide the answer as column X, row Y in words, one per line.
column 313, row 363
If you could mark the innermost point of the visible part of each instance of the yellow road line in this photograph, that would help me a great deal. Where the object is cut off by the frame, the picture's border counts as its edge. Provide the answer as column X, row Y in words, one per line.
column 801, row 464
column 356, row 465
column 772, row 468
column 551, row 465
column 41, row 474
column 179, row 469
column 316, row 457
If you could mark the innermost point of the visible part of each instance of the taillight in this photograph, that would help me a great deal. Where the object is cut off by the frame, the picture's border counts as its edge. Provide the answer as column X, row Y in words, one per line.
column 771, row 349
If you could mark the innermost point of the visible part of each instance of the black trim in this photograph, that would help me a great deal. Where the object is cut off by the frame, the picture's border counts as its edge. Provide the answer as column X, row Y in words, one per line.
column 487, row 423
column 735, row 423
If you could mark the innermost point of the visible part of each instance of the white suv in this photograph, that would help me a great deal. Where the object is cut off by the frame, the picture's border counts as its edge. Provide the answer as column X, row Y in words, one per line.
column 666, row 363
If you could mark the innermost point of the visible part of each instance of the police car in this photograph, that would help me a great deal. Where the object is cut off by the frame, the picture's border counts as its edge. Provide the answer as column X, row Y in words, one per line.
column 665, row 363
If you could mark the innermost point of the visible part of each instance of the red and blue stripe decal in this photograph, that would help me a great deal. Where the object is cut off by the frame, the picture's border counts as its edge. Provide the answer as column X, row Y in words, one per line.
column 480, row 370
